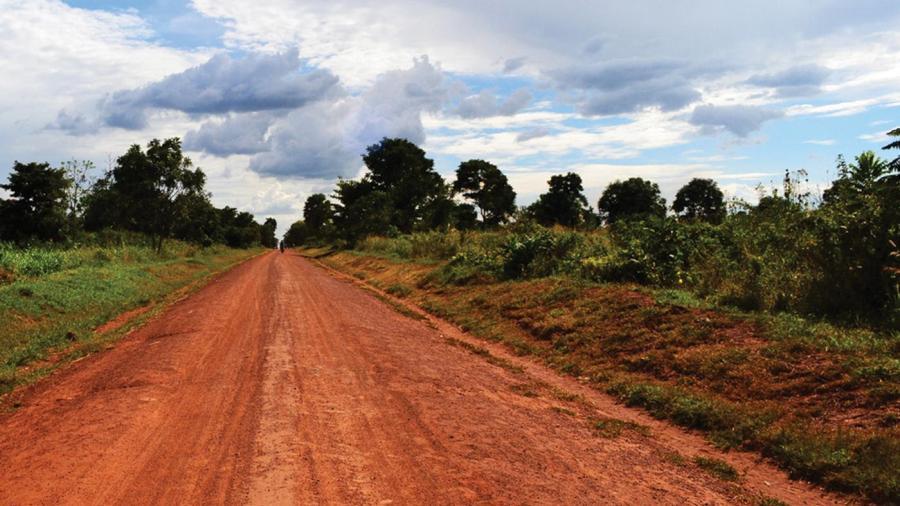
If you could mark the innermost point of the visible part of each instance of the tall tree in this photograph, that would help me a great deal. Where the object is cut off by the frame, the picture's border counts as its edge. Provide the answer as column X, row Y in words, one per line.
column 267, row 233
column 361, row 210
column 148, row 191
column 79, row 173
column 401, row 171
column 563, row 204
column 488, row 188
column 37, row 207
column 317, row 214
column 700, row 199
column 630, row 198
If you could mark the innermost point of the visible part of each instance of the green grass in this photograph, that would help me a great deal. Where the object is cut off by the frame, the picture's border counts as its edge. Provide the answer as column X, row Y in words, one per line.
column 58, row 297
column 718, row 468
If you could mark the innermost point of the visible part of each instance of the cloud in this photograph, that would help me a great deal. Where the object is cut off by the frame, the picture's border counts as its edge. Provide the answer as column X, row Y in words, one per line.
column 798, row 81
column 626, row 86
column 241, row 134
column 486, row 104
column 820, row 142
column 258, row 82
column 325, row 138
column 513, row 64
column 741, row 120
column 532, row 133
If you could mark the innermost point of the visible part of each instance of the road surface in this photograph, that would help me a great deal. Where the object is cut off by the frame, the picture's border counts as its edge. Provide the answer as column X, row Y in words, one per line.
column 282, row 383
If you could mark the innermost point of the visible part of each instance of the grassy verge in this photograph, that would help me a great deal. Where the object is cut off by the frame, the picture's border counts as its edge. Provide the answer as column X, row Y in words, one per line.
column 821, row 401
column 50, row 314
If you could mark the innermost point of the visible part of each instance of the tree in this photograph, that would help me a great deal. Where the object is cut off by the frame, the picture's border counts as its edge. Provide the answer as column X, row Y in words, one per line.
column 633, row 197
column 267, row 233
column 317, row 214
column 297, row 235
column 361, row 210
column 401, row 172
column 700, row 199
column 79, row 173
column 563, row 204
column 895, row 164
column 37, row 207
column 859, row 222
column 483, row 184
column 148, row 191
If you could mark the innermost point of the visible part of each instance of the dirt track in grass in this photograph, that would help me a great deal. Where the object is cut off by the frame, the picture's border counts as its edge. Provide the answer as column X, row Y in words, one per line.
column 283, row 383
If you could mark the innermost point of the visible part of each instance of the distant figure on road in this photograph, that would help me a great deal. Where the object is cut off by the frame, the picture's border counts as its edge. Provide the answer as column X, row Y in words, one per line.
column 281, row 246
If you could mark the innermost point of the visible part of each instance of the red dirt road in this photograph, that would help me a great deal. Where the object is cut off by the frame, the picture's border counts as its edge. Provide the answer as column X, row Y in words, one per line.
column 280, row 383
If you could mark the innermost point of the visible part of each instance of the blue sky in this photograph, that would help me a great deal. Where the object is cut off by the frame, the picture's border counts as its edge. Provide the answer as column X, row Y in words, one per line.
column 275, row 99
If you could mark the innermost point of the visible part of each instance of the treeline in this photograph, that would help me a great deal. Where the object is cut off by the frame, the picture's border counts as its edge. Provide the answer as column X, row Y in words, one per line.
column 154, row 191
column 834, row 254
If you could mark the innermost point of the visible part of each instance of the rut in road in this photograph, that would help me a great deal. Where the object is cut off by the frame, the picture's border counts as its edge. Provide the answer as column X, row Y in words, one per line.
column 279, row 383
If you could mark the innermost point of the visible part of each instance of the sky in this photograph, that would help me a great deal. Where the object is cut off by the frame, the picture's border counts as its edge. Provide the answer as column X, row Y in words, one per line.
column 276, row 99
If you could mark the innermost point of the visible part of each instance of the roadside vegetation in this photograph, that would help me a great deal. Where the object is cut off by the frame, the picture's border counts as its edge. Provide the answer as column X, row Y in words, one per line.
column 772, row 326
column 77, row 250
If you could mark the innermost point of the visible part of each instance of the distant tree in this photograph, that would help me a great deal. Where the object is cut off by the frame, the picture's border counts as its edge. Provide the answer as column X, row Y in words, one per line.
column 563, row 204
column 361, row 210
column 267, row 233
column 37, row 207
column 465, row 217
column 400, row 171
column 297, row 235
column 317, row 214
column 632, row 197
column 239, row 230
column 147, row 191
column 700, row 199
column 80, row 174
column 483, row 184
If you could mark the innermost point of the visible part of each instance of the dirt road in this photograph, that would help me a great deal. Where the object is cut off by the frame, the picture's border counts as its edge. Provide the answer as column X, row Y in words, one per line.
column 280, row 383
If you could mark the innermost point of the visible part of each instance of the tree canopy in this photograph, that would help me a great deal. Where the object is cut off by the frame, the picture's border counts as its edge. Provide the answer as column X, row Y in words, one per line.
column 563, row 204
column 37, row 209
column 633, row 197
column 700, row 199
column 487, row 187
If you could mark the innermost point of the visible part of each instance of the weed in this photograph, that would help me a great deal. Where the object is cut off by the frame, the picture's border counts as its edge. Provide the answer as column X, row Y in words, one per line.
column 718, row 468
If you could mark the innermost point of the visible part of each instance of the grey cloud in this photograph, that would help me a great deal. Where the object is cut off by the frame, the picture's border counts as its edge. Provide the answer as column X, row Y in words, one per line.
column 594, row 46
column 802, row 80
column 74, row 123
column 513, row 64
column 309, row 143
column 241, row 134
column 256, row 83
column 626, row 86
column 741, row 120
column 325, row 139
column 533, row 133
column 486, row 104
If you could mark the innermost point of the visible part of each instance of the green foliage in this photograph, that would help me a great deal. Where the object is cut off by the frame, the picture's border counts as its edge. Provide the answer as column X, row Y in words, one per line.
column 700, row 199
column 632, row 198
column 400, row 171
column 317, row 214
column 267, row 233
column 37, row 209
column 718, row 468
column 482, row 183
column 563, row 204
column 148, row 191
